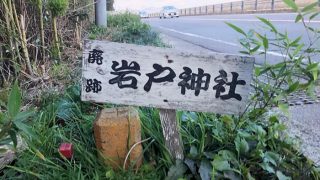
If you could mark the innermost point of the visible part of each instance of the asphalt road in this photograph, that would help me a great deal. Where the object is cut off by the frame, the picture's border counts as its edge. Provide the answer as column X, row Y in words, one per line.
column 211, row 32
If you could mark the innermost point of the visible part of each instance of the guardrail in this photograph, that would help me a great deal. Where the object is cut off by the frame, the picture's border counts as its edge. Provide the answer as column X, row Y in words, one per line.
column 241, row 7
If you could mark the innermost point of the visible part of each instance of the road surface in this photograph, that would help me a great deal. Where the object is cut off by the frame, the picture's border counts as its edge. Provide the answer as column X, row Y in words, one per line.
column 211, row 32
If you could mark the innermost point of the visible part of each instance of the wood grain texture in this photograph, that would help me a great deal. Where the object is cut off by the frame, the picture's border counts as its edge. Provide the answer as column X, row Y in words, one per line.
column 171, row 134
column 165, row 95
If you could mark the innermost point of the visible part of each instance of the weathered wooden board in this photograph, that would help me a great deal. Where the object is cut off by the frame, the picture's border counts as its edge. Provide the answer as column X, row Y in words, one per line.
column 106, row 78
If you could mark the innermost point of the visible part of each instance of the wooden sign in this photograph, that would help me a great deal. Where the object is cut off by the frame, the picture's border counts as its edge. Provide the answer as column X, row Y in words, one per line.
column 164, row 78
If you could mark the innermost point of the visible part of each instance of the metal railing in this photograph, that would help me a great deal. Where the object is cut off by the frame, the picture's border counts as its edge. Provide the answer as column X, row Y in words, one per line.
column 238, row 7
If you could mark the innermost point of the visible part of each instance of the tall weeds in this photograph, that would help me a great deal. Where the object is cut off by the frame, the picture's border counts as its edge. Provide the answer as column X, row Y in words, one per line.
column 29, row 36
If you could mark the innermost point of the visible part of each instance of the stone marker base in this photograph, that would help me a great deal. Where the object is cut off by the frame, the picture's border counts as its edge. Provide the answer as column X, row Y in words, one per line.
column 116, row 130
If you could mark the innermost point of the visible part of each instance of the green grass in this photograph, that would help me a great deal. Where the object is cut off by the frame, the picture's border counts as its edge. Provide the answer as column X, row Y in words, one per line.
column 67, row 119
column 127, row 28
column 213, row 144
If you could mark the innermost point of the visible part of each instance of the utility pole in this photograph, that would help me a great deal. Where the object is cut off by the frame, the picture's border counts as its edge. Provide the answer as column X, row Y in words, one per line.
column 101, row 13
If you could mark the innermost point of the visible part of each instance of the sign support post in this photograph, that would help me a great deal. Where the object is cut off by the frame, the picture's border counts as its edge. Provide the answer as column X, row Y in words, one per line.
column 171, row 133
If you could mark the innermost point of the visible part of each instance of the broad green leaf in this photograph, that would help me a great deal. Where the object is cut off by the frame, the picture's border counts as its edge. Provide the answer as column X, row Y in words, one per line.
column 13, row 136
column 228, row 155
column 295, row 43
column 232, row 175
column 192, row 165
column 268, row 23
column 311, row 90
column 293, row 87
column 24, row 128
column 315, row 74
column 205, row 170
column 284, row 108
column 291, row 4
column 257, row 71
column 221, row 165
column 110, row 174
column 313, row 67
column 14, row 101
column 176, row 171
column 271, row 157
column 260, row 131
column 236, row 28
column 281, row 176
column 274, row 119
column 244, row 52
column 228, row 121
column 298, row 18
column 242, row 145
column 193, row 152
column 298, row 50
column 309, row 7
column 256, row 112
column 22, row 116
column 255, row 49
column 266, row 166
column 314, row 15
column 244, row 134
column 265, row 41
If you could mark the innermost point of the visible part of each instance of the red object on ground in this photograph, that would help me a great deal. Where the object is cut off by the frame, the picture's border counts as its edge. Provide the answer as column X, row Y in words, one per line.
column 66, row 150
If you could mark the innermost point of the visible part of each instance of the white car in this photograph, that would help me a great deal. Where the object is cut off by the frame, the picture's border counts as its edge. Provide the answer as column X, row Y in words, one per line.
column 143, row 14
column 169, row 12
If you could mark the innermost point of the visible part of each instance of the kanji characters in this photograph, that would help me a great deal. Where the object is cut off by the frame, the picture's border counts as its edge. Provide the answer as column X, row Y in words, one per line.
column 159, row 70
column 93, row 85
column 194, row 81
column 124, row 74
column 95, row 56
column 222, row 81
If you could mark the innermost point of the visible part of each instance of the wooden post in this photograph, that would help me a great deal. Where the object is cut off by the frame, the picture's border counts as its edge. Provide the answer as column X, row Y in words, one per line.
column 171, row 133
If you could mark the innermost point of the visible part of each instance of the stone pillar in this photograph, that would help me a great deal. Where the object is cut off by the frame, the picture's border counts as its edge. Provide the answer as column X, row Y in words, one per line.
column 116, row 131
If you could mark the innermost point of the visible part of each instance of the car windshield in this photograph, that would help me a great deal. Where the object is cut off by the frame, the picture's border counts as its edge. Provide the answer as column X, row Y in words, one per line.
column 168, row 7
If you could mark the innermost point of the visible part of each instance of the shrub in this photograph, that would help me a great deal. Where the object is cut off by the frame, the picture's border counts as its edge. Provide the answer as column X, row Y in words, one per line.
column 127, row 28
column 58, row 7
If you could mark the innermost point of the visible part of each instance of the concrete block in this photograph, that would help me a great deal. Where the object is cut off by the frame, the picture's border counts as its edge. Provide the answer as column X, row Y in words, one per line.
column 116, row 130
